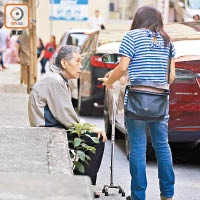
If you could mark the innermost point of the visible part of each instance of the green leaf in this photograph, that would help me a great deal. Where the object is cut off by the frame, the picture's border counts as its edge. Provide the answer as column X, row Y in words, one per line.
column 86, row 147
column 95, row 140
column 92, row 149
column 86, row 162
column 79, row 166
column 77, row 142
column 87, row 157
column 81, row 155
column 71, row 155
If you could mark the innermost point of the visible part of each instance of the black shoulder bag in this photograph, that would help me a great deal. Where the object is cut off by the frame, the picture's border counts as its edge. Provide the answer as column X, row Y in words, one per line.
column 150, row 103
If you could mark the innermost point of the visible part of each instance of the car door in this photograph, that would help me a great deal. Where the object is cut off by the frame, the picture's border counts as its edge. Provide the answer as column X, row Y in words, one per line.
column 84, row 84
column 87, row 50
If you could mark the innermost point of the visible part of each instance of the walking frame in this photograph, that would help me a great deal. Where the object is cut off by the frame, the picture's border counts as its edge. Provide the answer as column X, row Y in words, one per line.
column 106, row 187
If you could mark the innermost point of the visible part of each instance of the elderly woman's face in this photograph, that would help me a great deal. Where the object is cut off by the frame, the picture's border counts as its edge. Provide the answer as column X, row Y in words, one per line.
column 72, row 68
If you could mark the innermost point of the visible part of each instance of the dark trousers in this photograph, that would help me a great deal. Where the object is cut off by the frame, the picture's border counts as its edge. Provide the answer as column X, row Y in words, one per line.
column 1, row 59
column 43, row 63
column 92, row 168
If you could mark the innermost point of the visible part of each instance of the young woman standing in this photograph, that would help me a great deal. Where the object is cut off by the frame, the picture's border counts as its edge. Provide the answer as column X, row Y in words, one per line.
column 145, row 52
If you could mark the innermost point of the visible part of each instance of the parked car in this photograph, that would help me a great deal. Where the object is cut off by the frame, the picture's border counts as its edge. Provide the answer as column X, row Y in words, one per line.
column 184, row 110
column 90, row 90
column 75, row 37
column 185, row 10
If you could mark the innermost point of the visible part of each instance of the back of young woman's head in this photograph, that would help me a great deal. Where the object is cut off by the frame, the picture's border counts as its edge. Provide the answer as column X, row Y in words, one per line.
column 148, row 17
column 41, row 44
column 53, row 39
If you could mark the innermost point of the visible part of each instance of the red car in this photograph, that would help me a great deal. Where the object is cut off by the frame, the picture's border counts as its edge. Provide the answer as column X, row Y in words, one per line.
column 184, row 122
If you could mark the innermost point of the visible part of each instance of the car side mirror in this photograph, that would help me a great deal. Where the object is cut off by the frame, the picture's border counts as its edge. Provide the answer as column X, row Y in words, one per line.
column 111, row 58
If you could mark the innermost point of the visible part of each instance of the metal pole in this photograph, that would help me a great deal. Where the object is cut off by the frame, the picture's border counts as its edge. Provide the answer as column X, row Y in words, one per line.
column 113, row 140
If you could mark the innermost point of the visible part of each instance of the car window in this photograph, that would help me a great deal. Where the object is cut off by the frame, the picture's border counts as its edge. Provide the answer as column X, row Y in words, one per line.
column 91, row 43
column 61, row 42
column 76, row 39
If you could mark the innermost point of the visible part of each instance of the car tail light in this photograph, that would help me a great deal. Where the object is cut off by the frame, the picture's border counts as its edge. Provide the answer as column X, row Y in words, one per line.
column 96, row 61
column 100, row 86
column 187, row 129
column 185, row 76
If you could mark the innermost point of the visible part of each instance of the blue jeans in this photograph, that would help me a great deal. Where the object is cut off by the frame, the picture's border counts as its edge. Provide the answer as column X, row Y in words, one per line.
column 138, row 142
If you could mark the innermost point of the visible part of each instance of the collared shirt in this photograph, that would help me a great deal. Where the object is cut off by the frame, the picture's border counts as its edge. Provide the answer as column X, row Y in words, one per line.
column 149, row 60
column 95, row 22
column 50, row 102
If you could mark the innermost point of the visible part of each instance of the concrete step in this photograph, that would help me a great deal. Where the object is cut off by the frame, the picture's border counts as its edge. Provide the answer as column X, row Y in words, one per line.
column 34, row 150
column 35, row 165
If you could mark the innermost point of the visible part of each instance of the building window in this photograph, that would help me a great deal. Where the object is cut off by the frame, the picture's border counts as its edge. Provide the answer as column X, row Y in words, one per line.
column 121, row 9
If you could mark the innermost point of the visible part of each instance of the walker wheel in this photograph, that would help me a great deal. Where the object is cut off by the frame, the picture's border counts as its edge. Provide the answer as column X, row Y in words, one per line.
column 106, row 193
column 120, row 191
column 123, row 194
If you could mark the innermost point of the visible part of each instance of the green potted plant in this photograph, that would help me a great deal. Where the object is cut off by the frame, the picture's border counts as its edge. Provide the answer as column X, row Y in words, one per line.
column 77, row 147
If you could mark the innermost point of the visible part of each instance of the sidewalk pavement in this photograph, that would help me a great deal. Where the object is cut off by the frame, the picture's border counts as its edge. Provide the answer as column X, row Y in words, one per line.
column 13, row 98
column 10, row 80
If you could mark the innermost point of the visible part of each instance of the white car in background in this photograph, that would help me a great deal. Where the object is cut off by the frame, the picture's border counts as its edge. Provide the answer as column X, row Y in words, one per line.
column 185, row 10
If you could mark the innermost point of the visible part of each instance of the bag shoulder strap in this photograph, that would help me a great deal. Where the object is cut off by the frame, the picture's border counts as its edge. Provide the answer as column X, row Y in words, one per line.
column 169, row 62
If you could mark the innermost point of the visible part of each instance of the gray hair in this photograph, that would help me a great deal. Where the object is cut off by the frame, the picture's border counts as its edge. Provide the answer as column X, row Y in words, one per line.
column 66, row 52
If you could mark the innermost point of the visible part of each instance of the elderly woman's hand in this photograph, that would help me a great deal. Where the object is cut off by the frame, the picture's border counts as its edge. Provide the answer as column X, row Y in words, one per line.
column 100, row 132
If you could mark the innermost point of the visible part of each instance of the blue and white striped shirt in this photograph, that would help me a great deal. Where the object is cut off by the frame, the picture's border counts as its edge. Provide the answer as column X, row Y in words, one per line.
column 149, row 60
